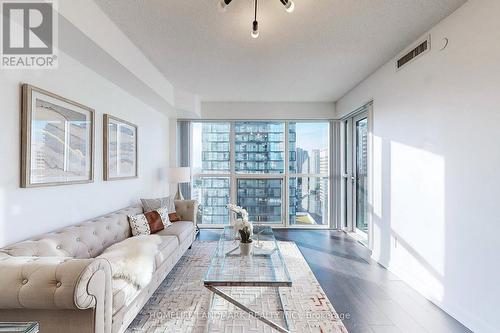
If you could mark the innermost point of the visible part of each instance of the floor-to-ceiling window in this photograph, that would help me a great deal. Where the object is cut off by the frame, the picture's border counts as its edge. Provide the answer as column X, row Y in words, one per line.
column 309, row 165
column 278, row 170
column 259, row 164
column 211, row 168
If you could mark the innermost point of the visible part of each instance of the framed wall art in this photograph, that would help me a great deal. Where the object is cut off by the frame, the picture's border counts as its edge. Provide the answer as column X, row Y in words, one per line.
column 120, row 149
column 57, row 140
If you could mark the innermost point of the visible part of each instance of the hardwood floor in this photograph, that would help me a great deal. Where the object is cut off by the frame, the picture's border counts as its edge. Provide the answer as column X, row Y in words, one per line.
column 366, row 295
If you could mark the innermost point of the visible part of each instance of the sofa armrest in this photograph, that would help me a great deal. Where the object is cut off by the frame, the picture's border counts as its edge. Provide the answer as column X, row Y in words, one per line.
column 57, row 283
column 40, row 282
column 92, row 281
column 95, row 290
column 187, row 209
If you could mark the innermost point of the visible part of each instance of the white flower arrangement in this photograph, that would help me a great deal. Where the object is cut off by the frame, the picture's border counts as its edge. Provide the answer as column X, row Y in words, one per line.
column 241, row 225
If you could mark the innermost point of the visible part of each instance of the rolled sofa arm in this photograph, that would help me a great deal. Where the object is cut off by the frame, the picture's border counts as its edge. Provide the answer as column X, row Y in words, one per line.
column 95, row 290
column 187, row 210
column 57, row 283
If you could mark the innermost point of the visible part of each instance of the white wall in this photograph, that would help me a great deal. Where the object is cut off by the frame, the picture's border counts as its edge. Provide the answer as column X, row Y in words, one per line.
column 436, row 162
column 267, row 110
column 28, row 212
column 114, row 42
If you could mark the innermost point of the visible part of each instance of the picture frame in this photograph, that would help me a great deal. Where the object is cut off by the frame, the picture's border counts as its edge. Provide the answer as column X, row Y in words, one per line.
column 57, row 140
column 121, row 149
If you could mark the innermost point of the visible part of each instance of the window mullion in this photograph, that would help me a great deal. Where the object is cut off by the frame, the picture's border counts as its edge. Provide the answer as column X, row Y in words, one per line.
column 286, row 207
column 232, row 163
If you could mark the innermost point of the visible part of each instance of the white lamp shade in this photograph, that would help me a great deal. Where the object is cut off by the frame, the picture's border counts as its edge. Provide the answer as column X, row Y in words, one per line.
column 179, row 175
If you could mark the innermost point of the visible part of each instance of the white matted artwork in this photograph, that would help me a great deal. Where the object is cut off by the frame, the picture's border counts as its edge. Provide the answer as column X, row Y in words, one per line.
column 120, row 149
column 57, row 138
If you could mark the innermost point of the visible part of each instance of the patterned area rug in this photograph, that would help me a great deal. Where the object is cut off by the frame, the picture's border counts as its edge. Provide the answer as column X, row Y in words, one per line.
column 182, row 303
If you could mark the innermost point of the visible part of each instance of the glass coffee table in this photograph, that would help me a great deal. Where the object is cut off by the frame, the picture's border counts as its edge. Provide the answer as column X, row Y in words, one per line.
column 29, row 327
column 264, row 267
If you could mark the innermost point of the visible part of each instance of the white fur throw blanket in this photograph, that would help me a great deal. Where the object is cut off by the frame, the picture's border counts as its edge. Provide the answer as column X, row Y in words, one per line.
column 133, row 259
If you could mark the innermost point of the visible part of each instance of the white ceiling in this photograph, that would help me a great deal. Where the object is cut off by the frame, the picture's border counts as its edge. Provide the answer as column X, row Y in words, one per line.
column 317, row 53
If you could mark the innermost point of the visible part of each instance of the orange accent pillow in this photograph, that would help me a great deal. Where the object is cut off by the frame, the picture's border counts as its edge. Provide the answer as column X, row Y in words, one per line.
column 173, row 217
column 155, row 222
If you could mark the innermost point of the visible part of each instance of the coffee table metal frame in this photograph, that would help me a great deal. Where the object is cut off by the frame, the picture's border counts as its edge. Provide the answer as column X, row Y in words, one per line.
column 214, row 284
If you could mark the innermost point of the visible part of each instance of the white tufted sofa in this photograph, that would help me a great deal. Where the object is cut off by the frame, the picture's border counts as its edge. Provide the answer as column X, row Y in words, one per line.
column 56, row 280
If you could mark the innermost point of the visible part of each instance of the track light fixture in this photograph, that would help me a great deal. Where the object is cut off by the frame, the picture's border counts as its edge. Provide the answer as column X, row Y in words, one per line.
column 289, row 7
column 255, row 29
column 222, row 4
column 255, row 24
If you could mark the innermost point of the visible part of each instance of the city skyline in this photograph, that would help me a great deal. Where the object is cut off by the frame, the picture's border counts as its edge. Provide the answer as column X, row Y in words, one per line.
column 260, row 149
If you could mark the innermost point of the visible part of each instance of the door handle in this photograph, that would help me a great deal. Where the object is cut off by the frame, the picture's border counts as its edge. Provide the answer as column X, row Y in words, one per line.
column 348, row 176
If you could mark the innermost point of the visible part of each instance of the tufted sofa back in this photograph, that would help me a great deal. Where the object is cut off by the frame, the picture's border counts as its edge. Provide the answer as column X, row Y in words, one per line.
column 83, row 241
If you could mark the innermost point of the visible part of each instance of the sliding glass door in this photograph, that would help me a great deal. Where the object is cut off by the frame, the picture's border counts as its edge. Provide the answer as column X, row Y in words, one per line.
column 361, row 173
column 278, row 170
column 355, row 175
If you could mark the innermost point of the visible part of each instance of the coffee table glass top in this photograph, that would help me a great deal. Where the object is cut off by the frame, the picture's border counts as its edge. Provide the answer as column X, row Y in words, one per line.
column 7, row 327
column 265, row 266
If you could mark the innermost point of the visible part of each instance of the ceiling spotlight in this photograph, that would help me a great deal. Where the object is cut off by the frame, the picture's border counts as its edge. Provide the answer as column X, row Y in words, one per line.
column 289, row 5
column 255, row 30
column 255, row 26
column 222, row 4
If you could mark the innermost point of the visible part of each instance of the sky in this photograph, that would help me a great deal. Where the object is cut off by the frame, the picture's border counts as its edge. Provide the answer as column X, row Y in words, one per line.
column 312, row 135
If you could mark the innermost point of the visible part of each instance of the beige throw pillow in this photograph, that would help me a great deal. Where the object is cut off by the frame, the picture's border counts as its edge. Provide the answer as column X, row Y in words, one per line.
column 153, row 204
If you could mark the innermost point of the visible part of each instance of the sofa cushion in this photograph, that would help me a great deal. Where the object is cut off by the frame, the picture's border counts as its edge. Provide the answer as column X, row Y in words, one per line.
column 124, row 293
column 181, row 230
column 165, row 249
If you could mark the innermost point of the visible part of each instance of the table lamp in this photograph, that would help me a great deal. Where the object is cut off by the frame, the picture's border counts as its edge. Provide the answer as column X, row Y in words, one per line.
column 179, row 175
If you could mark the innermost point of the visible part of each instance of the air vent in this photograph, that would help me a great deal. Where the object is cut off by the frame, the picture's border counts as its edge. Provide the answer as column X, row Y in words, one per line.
column 413, row 54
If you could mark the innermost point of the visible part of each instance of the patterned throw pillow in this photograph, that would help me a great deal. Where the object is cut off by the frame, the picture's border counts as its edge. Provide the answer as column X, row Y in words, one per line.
column 150, row 222
column 153, row 204
column 163, row 211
